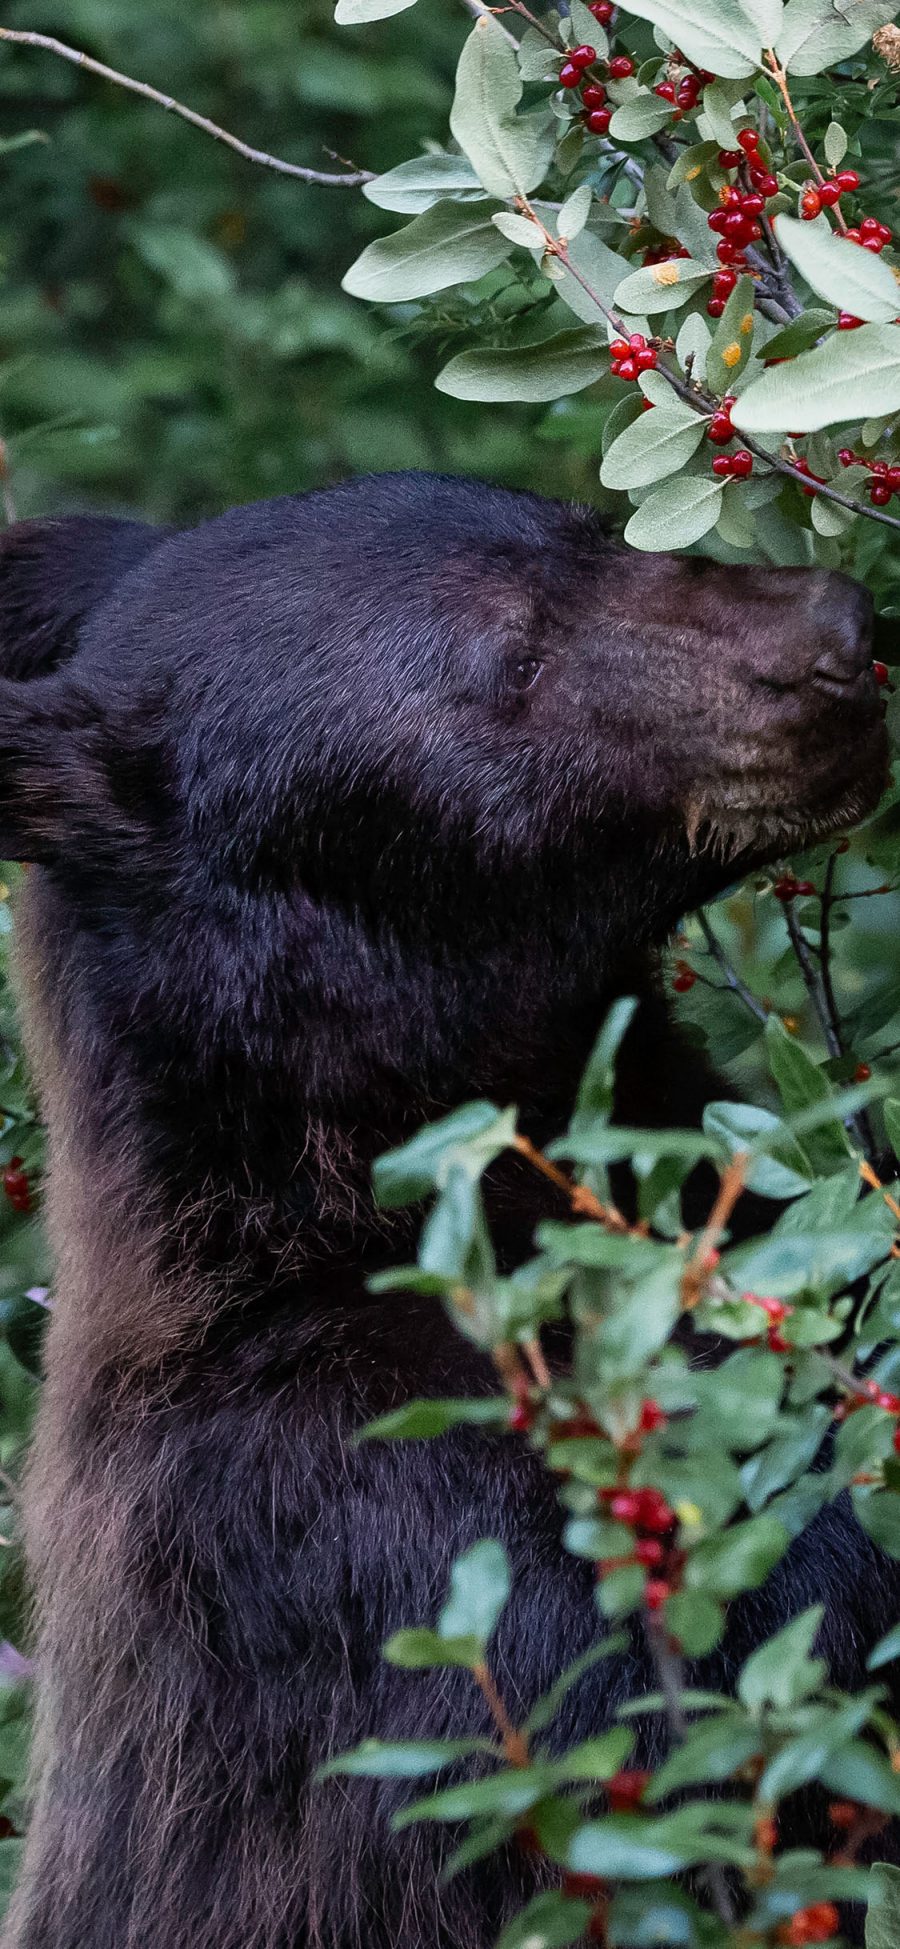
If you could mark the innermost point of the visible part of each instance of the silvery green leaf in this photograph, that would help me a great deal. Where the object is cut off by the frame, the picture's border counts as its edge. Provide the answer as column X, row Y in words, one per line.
column 355, row 13
column 509, row 152
column 557, row 366
column 849, row 375
column 415, row 185
column 849, row 277
column 575, row 212
column 450, row 244
column 817, row 33
column 675, row 514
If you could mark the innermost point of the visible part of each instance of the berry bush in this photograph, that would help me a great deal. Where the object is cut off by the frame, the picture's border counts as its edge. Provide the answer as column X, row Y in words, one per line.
column 656, row 247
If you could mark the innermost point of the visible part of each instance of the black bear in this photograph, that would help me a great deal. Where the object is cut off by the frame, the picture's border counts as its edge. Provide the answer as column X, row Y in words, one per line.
column 343, row 809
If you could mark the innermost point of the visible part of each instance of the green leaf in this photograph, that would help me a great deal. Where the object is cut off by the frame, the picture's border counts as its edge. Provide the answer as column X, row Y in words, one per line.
column 799, row 335
column 676, row 514
column 782, row 1671
column 418, row 1649
column 883, row 1917
column 519, row 230
column 415, row 185
column 879, row 1513
column 642, row 116
column 596, row 1089
column 696, row 1619
column 575, row 212
column 509, row 153
column 355, row 13
column 543, row 1714
column 195, row 269
column 601, row 269
column 717, row 107
column 739, row 1559
column 886, row 1650
column 479, row 1588
column 596, row 1759
column 402, row 1759
column 816, row 34
column 785, row 1171
column 710, row 1751
column 478, row 1131
column 449, row 244
column 418, row 1420
column 835, row 145
column 849, row 277
column 802, row 1084
column 662, row 287
column 549, row 1921
column 654, row 447
column 551, row 370
column 891, row 1109
column 716, row 34
column 511, row 1793
column 732, row 341
column 848, row 377
column 618, row 1848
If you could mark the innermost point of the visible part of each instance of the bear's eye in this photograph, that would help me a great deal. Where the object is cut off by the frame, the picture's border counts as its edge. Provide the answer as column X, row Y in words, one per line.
column 525, row 673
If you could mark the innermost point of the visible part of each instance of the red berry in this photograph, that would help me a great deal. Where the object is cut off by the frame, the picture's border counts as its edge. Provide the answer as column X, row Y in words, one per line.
column 777, row 1342
column 650, row 1552
column 829, row 194
column 627, row 370
column 688, row 91
column 521, row 1417
column 810, row 205
column 893, row 478
column 717, row 221
column 715, row 307
column 729, row 158
column 652, row 1417
column 846, row 456
column 624, row 1506
column 847, row 321
column 884, row 233
column 594, row 95
column 654, row 1512
column 897, row 1441
column 619, row 348
column 852, row 237
column 583, row 56
column 666, row 89
column 880, row 672
column 620, row 67
column 889, row 1402
column 646, row 358
column 754, row 203
column 870, row 227
column 720, row 429
column 874, row 244
column 723, row 283
column 813, row 1924
column 741, row 463
column 880, row 493
column 656, row 1590
column 847, row 179
column 861, row 1073
column 626, row 1789
column 602, row 10
column 598, row 120
column 637, row 341
column 749, row 140
column 843, row 1813
column 728, row 252
column 766, row 183
column 721, row 465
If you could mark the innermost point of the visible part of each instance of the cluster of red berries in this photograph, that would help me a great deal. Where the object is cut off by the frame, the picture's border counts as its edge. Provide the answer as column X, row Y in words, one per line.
column 787, row 888
column 733, row 466
column 629, row 357
column 817, row 1923
column 884, row 484
column 596, row 113
column 823, row 196
column 776, row 1312
column 664, row 252
column 685, row 95
column 871, row 234
column 16, row 1185
column 736, row 221
column 654, row 1521
column 684, row 978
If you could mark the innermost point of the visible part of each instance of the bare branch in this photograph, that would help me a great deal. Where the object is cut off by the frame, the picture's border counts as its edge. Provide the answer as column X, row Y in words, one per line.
column 351, row 180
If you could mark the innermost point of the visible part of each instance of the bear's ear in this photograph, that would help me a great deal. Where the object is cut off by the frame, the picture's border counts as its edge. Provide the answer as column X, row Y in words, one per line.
column 52, row 574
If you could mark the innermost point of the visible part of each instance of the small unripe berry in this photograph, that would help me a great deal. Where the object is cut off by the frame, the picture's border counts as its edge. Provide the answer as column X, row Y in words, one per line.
column 620, row 67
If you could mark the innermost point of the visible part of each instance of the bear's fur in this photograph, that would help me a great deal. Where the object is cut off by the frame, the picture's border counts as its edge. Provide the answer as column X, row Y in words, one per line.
column 345, row 809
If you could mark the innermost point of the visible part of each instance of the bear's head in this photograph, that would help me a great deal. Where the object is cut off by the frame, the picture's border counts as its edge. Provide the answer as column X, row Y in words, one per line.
column 364, row 800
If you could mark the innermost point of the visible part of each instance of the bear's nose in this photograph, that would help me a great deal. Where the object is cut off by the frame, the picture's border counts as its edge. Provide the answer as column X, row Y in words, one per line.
column 843, row 653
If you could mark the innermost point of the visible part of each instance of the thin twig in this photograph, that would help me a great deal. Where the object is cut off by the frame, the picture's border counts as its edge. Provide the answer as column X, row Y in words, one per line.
column 515, row 1744
column 581, row 1199
column 50, row 45
column 731, row 1185
column 732, row 977
column 781, row 82
column 479, row 9
column 670, row 1674
column 821, row 995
